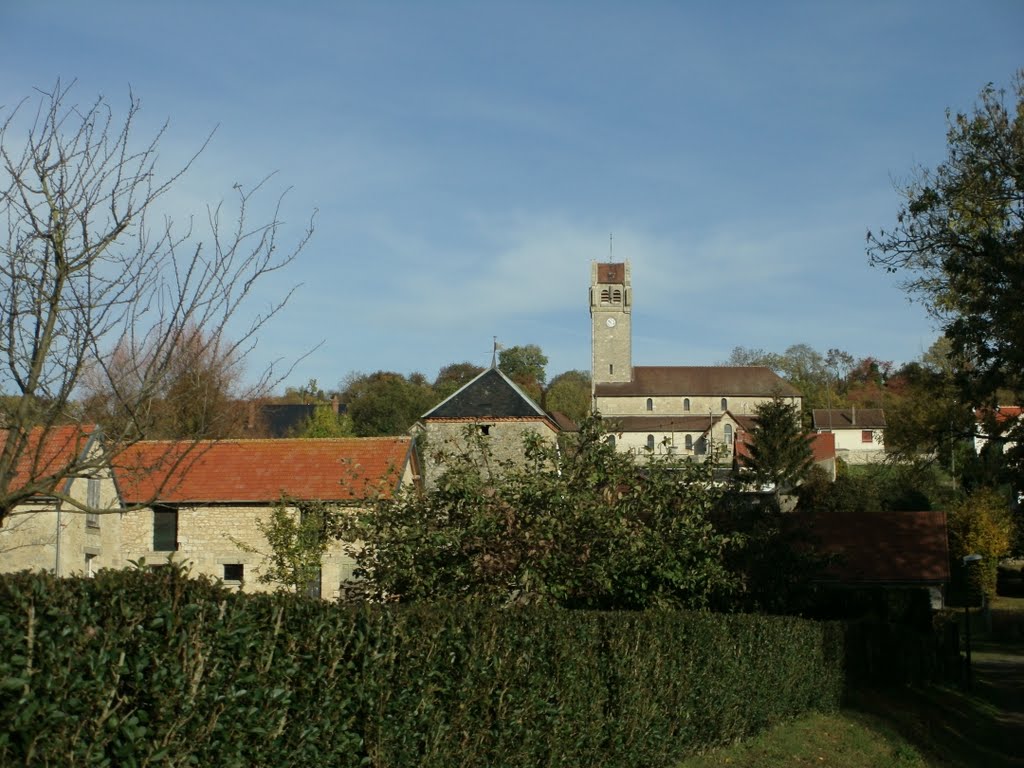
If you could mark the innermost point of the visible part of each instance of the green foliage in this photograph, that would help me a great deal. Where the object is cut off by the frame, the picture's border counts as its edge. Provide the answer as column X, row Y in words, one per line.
column 780, row 451
column 297, row 536
column 386, row 403
column 453, row 377
column 924, row 411
column 820, row 378
column 525, row 366
column 569, row 393
column 876, row 488
column 326, row 423
column 774, row 561
column 153, row 668
column 309, row 392
column 981, row 524
column 959, row 243
column 581, row 526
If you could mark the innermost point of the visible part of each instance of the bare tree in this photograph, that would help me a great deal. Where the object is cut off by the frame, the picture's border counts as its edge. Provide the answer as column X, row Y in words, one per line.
column 93, row 278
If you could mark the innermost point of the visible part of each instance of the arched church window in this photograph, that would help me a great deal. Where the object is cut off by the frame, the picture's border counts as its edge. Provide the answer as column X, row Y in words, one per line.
column 650, row 442
column 617, row 296
column 650, row 404
column 611, row 440
column 728, row 434
column 606, row 295
column 689, row 442
column 725, row 404
column 686, row 403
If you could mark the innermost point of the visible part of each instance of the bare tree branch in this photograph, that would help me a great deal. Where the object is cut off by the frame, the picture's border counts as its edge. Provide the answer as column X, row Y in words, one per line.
column 91, row 289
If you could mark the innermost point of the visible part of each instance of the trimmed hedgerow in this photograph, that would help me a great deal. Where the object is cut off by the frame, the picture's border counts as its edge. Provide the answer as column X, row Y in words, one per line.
column 137, row 668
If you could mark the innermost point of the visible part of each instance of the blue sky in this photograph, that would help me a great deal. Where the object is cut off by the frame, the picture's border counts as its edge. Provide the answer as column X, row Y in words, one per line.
column 469, row 159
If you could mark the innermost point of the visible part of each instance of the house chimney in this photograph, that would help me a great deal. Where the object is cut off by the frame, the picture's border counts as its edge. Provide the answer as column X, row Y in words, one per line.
column 334, row 404
column 853, row 415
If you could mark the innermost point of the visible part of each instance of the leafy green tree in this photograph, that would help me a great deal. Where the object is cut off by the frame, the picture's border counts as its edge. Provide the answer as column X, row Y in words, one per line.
column 981, row 524
column 525, row 366
column 819, row 378
column 780, row 451
column 584, row 527
column 570, row 394
column 297, row 538
column 309, row 392
column 927, row 421
column 326, row 423
column 386, row 403
column 453, row 377
column 958, row 244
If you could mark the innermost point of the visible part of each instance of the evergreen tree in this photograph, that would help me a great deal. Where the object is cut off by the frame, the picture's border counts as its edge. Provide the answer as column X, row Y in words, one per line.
column 780, row 451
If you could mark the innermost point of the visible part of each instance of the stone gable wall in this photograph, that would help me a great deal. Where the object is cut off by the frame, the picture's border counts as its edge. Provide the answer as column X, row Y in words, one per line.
column 504, row 441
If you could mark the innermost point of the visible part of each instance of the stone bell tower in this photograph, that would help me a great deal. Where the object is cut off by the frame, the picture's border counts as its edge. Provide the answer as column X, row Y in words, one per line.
column 611, row 307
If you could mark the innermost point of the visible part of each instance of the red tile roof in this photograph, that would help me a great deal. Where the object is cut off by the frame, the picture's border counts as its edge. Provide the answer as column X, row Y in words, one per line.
column 48, row 455
column 883, row 547
column 715, row 380
column 343, row 469
column 1002, row 414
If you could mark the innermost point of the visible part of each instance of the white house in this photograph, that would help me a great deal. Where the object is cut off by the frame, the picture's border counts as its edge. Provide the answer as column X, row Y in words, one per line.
column 859, row 432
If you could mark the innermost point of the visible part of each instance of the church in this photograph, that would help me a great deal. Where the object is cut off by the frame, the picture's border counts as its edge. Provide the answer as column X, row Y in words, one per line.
column 691, row 411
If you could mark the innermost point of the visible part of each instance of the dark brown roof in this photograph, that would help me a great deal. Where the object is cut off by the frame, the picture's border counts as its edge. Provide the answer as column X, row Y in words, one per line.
column 715, row 380
column 849, row 418
column 658, row 423
column 611, row 273
column 564, row 422
column 882, row 547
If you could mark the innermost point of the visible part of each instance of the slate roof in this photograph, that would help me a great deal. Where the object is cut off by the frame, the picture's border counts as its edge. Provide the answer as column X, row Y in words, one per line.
column 882, row 547
column 262, row 471
column 849, row 418
column 48, row 454
column 658, row 423
column 717, row 380
column 491, row 395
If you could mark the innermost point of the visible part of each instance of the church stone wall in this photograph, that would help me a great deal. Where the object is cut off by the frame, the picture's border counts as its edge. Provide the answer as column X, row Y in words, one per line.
column 663, row 405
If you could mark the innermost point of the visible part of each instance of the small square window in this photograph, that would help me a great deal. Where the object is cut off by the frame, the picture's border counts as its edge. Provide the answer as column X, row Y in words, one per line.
column 234, row 572
column 485, row 429
column 866, row 436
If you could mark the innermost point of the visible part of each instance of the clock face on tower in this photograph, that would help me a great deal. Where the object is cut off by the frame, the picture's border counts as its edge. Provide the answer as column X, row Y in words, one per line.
column 610, row 322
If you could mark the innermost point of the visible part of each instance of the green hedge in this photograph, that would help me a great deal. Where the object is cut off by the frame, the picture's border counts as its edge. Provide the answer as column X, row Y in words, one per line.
column 152, row 668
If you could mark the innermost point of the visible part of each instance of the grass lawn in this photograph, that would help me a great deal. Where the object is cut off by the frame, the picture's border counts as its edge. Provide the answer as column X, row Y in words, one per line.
column 933, row 727
column 846, row 739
